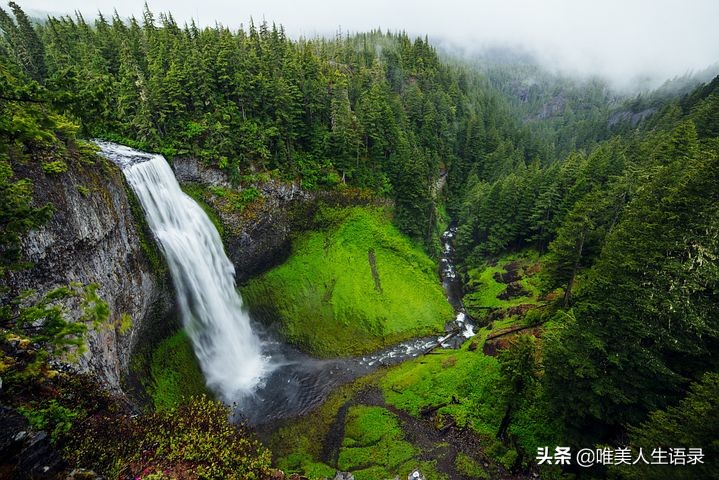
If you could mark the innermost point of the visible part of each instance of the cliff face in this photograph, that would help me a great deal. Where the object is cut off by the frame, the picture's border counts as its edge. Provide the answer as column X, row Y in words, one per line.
column 93, row 237
column 258, row 237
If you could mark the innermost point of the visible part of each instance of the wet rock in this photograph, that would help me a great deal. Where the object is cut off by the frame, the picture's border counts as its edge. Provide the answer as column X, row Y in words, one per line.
column 416, row 475
column 344, row 476
column 191, row 170
column 24, row 453
column 38, row 459
column 13, row 432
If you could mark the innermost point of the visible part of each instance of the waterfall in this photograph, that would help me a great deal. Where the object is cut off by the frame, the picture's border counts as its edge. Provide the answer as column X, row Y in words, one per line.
column 229, row 352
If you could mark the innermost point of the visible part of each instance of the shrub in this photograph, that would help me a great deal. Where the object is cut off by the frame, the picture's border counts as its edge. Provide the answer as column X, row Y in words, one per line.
column 54, row 417
column 56, row 167
column 196, row 438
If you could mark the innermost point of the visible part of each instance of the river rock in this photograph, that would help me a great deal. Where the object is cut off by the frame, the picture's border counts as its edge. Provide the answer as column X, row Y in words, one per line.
column 416, row 475
column 344, row 476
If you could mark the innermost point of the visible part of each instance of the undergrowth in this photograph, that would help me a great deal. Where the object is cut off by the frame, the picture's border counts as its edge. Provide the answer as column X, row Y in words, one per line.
column 175, row 373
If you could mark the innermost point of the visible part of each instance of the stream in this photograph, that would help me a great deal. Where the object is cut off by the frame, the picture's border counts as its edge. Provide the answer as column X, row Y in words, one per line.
column 245, row 364
column 299, row 383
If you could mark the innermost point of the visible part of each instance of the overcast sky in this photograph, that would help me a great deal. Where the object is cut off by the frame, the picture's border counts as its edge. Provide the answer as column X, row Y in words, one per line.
column 619, row 39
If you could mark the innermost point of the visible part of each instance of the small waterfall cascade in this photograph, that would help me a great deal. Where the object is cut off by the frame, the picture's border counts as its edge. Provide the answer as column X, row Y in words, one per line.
column 229, row 352
column 452, row 284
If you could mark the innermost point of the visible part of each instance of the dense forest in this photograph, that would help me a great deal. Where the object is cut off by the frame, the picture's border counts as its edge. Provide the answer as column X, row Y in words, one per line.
column 373, row 110
column 620, row 212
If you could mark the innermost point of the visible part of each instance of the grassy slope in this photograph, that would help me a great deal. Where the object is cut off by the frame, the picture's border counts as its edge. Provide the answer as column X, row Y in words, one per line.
column 465, row 384
column 327, row 299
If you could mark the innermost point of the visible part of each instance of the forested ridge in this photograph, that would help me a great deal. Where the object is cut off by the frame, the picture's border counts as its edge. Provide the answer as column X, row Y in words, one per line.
column 374, row 110
column 629, row 230
column 619, row 213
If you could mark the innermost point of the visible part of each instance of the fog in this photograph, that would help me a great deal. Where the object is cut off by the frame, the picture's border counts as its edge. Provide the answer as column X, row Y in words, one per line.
column 621, row 40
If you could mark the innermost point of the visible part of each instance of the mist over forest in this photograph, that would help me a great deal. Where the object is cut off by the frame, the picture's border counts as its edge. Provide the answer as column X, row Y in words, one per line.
column 359, row 241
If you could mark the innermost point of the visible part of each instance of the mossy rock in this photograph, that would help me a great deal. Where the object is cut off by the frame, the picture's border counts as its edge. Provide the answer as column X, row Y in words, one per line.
column 353, row 287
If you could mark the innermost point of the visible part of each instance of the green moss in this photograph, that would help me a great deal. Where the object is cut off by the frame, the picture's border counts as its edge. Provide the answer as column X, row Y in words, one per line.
column 304, row 436
column 333, row 301
column 175, row 372
column 469, row 467
column 461, row 383
column 374, row 446
column 55, row 167
column 301, row 462
column 298, row 445
column 373, row 442
column 483, row 289
column 235, row 200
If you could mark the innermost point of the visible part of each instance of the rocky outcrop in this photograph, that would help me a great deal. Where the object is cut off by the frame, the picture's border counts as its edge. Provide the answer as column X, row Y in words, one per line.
column 258, row 235
column 25, row 453
column 190, row 170
column 94, row 237
column 632, row 118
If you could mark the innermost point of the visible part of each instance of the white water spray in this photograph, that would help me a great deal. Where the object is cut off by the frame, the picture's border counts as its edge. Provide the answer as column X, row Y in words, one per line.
column 229, row 352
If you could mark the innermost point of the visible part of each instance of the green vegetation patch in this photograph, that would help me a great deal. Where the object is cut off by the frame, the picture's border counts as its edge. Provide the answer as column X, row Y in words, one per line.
column 352, row 287
column 299, row 443
column 175, row 373
column 54, row 417
column 459, row 383
column 465, row 387
column 54, row 167
column 469, row 467
column 374, row 447
column 193, row 440
column 484, row 290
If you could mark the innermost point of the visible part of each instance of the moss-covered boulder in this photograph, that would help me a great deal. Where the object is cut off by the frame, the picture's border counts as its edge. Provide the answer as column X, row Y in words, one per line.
column 352, row 286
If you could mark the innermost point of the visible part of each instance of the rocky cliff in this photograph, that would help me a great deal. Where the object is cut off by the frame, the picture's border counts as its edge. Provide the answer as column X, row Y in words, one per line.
column 257, row 236
column 94, row 237
column 258, row 233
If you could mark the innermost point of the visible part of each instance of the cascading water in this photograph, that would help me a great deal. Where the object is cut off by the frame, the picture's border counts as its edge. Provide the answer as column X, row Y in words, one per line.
column 229, row 352
column 268, row 379
column 452, row 284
